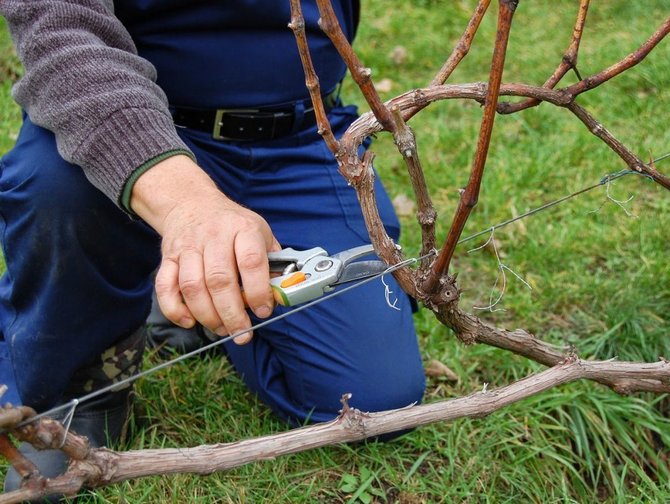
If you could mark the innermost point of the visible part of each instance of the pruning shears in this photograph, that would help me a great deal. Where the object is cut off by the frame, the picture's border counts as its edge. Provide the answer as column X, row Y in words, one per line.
column 309, row 274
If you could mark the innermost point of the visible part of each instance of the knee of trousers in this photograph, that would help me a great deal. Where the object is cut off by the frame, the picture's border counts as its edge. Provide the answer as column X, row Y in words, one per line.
column 302, row 366
column 379, row 386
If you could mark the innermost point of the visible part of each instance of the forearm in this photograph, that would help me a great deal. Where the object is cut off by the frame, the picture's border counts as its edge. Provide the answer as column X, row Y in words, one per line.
column 84, row 81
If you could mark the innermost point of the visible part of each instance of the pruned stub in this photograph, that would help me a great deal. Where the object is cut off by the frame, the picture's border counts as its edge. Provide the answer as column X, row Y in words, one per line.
column 447, row 293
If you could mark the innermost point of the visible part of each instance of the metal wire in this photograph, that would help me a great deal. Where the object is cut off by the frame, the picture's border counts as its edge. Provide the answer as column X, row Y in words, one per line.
column 72, row 404
column 605, row 180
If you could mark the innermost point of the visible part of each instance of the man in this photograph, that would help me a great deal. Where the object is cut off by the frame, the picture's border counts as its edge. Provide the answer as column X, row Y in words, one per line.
column 179, row 135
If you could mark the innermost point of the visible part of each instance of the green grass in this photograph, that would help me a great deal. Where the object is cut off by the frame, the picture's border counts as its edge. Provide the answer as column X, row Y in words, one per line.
column 600, row 281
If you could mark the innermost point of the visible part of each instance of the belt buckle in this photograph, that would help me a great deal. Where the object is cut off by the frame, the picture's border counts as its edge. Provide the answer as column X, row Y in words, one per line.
column 218, row 122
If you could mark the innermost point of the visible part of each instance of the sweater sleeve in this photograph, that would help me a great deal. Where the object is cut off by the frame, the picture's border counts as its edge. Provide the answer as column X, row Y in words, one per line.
column 85, row 82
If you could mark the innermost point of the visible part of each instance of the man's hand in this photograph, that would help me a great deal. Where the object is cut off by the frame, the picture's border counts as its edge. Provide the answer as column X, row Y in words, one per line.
column 210, row 245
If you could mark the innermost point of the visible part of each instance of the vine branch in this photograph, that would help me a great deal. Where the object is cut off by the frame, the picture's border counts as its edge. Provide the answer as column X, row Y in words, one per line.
column 297, row 24
column 568, row 62
column 470, row 195
column 99, row 467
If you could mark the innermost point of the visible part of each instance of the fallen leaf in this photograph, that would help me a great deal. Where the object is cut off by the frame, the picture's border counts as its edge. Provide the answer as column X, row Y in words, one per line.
column 384, row 85
column 436, row 369
column 398, row 55
column 404, row 206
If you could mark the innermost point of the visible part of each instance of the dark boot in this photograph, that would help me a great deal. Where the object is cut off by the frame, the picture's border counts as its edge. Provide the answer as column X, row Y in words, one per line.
column 103, row 420
column 170, row 339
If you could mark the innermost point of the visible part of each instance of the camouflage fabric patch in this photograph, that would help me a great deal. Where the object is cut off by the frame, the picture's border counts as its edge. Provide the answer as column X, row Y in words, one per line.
column 118, row 362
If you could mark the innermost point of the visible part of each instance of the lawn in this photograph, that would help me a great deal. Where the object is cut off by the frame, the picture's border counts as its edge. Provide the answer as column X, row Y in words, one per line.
column 595, row 275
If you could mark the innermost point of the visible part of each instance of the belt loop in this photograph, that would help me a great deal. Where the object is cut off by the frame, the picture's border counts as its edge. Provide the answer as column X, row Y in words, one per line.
column 298, row 117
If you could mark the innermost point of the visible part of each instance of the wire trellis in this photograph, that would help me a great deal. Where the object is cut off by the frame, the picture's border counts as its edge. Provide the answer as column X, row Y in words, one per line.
column 70, row 406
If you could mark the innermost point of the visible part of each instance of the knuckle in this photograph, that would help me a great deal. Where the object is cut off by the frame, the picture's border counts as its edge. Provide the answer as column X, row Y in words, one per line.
column 220, row 279
column 191, row 288
column 162, row 288
column 251, row 260
column 254, row 223
column 171, row 312
column 234, row 322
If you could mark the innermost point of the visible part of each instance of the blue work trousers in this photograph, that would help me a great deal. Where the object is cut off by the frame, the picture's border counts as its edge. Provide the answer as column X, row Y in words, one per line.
column 79, row 276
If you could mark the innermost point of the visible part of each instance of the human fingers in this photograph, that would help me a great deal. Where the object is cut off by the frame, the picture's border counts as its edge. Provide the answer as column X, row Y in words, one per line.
column 169, row 296
column 194, row 288
column 222, row 280
column 253, row 266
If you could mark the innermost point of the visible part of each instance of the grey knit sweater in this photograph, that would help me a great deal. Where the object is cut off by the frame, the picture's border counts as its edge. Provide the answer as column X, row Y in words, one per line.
column 84, row 81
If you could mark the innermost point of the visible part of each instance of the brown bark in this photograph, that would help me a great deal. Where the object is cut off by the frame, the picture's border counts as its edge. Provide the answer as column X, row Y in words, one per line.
column 462, row 47
column 102, row 467
column 470, row 195
column 568, row 62
column 297, row 24
column 360, row 74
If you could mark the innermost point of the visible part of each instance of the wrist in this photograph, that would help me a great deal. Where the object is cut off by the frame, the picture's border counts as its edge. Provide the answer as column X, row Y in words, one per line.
column 126, row 193
column 166, row 185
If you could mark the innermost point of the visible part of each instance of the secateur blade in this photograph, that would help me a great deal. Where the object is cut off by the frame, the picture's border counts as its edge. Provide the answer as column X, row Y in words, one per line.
column 360, row 270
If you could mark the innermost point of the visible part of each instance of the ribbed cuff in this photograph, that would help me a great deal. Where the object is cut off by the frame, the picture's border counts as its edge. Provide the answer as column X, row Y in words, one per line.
column 124, row 201
column 124, row 143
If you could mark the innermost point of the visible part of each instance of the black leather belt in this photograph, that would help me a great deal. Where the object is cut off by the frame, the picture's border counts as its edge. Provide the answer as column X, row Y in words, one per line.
column 245, row 124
